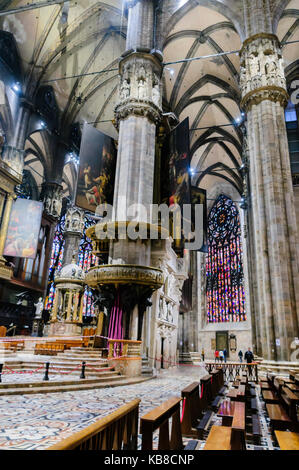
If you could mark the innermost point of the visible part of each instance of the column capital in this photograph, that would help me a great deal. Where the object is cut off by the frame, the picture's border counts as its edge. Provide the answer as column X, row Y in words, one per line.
column 140, row 91
column 51, row 195
column 262, row 71
column 74, row 221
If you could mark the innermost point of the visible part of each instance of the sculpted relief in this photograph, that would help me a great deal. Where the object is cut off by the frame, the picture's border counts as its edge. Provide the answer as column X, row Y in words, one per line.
column 261, row 65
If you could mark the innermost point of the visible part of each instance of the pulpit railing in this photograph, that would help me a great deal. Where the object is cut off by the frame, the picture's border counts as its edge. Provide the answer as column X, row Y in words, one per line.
column 123, row 348
column 232, row 370
column 117, row 431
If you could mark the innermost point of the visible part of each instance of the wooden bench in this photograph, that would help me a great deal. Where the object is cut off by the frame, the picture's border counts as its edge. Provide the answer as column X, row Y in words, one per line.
column 17, row 345
column 216, row 403
column 287, row 440
column 270, row 397
column 159, row 419
column 206, row 391
column 68, row 344
column 117, row 431
column 256, row 429
column 237, row 394
column 217, row 381
column 290, row 401
column 49, row 349
column 229, row 438
column 265, row 386
column 203, row 424
column 226, row 412
column 253, row 405
column 191, row 409
column 278, row 416
column 222, row 391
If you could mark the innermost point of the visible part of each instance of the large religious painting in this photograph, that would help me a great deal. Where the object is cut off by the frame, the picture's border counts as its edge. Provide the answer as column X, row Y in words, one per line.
column 97, row 169
column 224, row 268
column 175, row 176
column 199, row 196
column 179, row 165
column 23, row 229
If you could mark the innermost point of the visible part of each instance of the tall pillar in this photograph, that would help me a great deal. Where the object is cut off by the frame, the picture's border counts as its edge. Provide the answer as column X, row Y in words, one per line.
column 137, row 114
column 264, row 97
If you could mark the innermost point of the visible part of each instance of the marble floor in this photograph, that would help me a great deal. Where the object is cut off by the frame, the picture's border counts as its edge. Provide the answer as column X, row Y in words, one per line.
column 37, row 421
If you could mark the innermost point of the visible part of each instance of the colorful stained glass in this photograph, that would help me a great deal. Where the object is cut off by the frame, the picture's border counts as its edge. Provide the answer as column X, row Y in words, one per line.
column 224, row 268
column 85, row 260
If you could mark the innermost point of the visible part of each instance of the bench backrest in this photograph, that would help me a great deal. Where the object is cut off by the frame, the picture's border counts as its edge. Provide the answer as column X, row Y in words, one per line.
column 238, row 427
column 159, row 419
column 117, row 431
column 191, row 407
column 206, row 390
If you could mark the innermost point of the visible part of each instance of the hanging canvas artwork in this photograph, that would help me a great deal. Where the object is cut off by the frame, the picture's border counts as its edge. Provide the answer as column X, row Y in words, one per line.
column 23, row 229
column 97, row 169
column 199, row 196
column 175, row 176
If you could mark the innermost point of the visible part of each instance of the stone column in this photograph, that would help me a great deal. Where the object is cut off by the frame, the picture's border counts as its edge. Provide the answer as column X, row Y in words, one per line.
column 51, row 196
column 134, row 323
column 136, row 115
column 264, row 97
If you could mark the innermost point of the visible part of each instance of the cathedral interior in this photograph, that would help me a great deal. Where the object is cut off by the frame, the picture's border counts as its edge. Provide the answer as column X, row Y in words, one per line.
column 129, row 129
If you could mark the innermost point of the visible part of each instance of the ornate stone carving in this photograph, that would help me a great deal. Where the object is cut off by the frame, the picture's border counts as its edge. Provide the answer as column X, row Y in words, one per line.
column 139, row 91
column 124, row 274
column 14, row 158
column 51, row 196
column 74, row 220
column 262, row 72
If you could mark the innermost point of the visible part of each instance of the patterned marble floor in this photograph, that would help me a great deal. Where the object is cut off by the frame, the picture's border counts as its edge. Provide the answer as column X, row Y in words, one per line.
column 37, row 421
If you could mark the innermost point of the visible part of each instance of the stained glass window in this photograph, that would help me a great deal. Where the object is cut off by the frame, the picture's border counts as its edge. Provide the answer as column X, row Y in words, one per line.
column 224, row 269
column 85, row 260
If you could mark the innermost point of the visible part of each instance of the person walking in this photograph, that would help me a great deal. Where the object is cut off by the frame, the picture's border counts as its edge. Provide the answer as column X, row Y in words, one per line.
column 224, row 355
column 203, row 355
column 221, row 356
column 216, row 356
column 249, row 359
column 240, row 354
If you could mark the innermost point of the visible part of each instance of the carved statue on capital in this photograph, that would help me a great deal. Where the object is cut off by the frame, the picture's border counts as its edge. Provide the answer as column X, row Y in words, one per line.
column 51, row 196
column 139, row 90
column 262, row 70
column 74, row 220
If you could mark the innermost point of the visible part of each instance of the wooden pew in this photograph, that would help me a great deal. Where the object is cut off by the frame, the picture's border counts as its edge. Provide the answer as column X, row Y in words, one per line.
column 278, row 416
column 159, row 419
column 287, row 440
column 16, row 345
column 117, row 431
column 229, row 438
column 206, row 391
column 217, row 381
column 237, row 394
column 48, row 348
column 290, row 401
column 226, row 412
column 270, row 397
column 191, row 409
column 70, row 343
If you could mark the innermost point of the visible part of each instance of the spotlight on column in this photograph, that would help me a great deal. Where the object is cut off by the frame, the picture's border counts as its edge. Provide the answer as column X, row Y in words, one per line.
column 17, row 87
column 42, row 124
column 243, row 204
